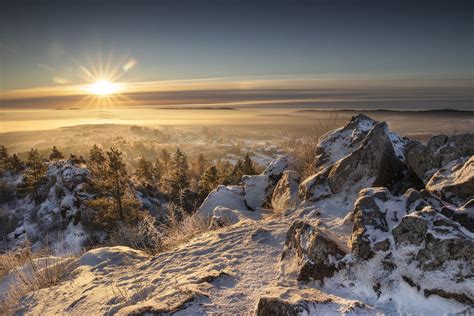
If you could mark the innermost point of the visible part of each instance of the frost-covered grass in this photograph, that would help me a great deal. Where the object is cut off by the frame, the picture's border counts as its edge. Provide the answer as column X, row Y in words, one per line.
column 23, row 271
column 302, row 150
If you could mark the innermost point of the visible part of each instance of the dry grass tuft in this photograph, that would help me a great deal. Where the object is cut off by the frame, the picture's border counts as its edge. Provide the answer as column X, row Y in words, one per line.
column 182, row 227
column 28, row 272
column 302, row 149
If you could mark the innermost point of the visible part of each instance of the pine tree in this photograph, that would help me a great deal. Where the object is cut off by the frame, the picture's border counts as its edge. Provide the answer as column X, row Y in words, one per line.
column 237, row 172
column 201, row 164
column 35, row 173
column 165, row 159
column 145, row 172
column 209, row 181
column 55, row 154
column 117, row 179
column 3, row 158
column 248, row 168
column 97, row 162
column 177, row 179
column 114, row 196
column 158, row 171
column 15, row 164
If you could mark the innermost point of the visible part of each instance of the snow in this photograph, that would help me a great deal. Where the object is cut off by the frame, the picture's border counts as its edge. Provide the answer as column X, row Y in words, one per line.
column 256, row 190
column 226, row 196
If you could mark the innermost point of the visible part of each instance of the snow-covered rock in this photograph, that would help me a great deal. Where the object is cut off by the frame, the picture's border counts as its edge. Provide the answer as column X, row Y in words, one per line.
column 54, row 219
column 231, row 197
column 455, row 181
column 339, row 143
column 285, row 195
column 441, row 239
column 425, row 160
column 279, row 300
column 259, row 188
column 312, row 251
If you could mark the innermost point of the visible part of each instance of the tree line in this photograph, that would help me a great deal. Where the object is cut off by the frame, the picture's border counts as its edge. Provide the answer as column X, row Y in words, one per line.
column 170, row 177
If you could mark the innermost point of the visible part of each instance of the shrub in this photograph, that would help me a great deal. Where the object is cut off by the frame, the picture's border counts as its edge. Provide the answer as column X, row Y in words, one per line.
column 302, row 149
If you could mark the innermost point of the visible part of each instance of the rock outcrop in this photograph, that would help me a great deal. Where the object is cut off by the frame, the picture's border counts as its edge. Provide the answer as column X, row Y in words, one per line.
column 285, row 195
column 454, row 182
column 425, row 160
column 306, row 301
column 314, row 251
column 259, row 188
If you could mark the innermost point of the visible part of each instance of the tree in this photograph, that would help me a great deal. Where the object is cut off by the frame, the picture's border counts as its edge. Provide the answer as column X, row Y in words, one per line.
column 55, row 154
column 177, row 178
column 248, row 168
column 237, row 171
column 3, row 158
column 35, row 173
column 115, row 198
column 209, row 181
column 201, row 164
column 15, row 164
column 145, row 172
column 158, row 171
column 97, row 162
column 117, row 180
column 165, row 158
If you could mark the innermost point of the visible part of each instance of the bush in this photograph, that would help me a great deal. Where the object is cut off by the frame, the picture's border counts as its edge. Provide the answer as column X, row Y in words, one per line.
column 302, row 149
column 143, row 236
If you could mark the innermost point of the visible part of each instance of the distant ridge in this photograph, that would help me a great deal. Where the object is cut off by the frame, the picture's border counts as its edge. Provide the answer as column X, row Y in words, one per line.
column 198, row 108
column 434, row 111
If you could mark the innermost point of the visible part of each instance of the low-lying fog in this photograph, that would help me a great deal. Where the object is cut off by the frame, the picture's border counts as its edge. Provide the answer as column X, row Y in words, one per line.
column 218, row 132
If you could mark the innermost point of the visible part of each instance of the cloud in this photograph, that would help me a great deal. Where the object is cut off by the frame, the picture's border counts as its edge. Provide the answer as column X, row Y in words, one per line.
column 129, row 64
column 46, row 67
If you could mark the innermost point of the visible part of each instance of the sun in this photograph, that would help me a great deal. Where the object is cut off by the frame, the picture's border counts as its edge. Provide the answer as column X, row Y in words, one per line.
column 103, row 87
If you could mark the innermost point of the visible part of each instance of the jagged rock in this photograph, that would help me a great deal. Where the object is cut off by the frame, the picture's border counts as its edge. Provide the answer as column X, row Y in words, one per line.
column 463, row 215
column 316, row 187
column 460, row 297
column 441, row 149
column 314, row 250
column 339, row 143
column 285, row 196
column 440, row 238
column 259, row 188
column 374, row 163
column 275, row 169
column 375, row 213
column 283, row 301
column 454, row 182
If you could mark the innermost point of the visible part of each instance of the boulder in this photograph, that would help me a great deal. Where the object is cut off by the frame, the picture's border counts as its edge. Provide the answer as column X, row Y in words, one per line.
column 314, row 250
column 259, row 188
column 454, row 182
column 425, row 160
column 316, row 187
column 375, row 213
column 231, row 197
column 286, row 301
column 339, row 143
column 374, row 163
column 440, row 238
column 285, row 195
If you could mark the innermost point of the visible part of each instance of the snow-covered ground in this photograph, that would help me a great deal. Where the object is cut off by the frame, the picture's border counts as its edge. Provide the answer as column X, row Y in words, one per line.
column 362, row 236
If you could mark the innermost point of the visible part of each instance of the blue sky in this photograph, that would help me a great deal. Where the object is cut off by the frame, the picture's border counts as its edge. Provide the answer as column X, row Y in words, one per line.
column 44, row 43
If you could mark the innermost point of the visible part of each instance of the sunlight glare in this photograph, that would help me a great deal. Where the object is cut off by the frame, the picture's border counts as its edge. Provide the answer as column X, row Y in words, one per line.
column 103, row 87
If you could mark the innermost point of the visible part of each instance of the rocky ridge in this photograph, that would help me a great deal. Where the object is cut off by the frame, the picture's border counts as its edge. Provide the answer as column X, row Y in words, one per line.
column 385, row 226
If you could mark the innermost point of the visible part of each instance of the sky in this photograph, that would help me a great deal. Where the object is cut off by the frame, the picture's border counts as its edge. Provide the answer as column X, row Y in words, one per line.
column 406, row 54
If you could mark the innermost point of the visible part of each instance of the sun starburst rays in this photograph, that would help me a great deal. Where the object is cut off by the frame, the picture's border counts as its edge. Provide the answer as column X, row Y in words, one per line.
column 105, row 87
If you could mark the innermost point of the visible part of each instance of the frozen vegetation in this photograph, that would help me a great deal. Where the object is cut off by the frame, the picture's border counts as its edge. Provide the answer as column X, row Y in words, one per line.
column 384, row 226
